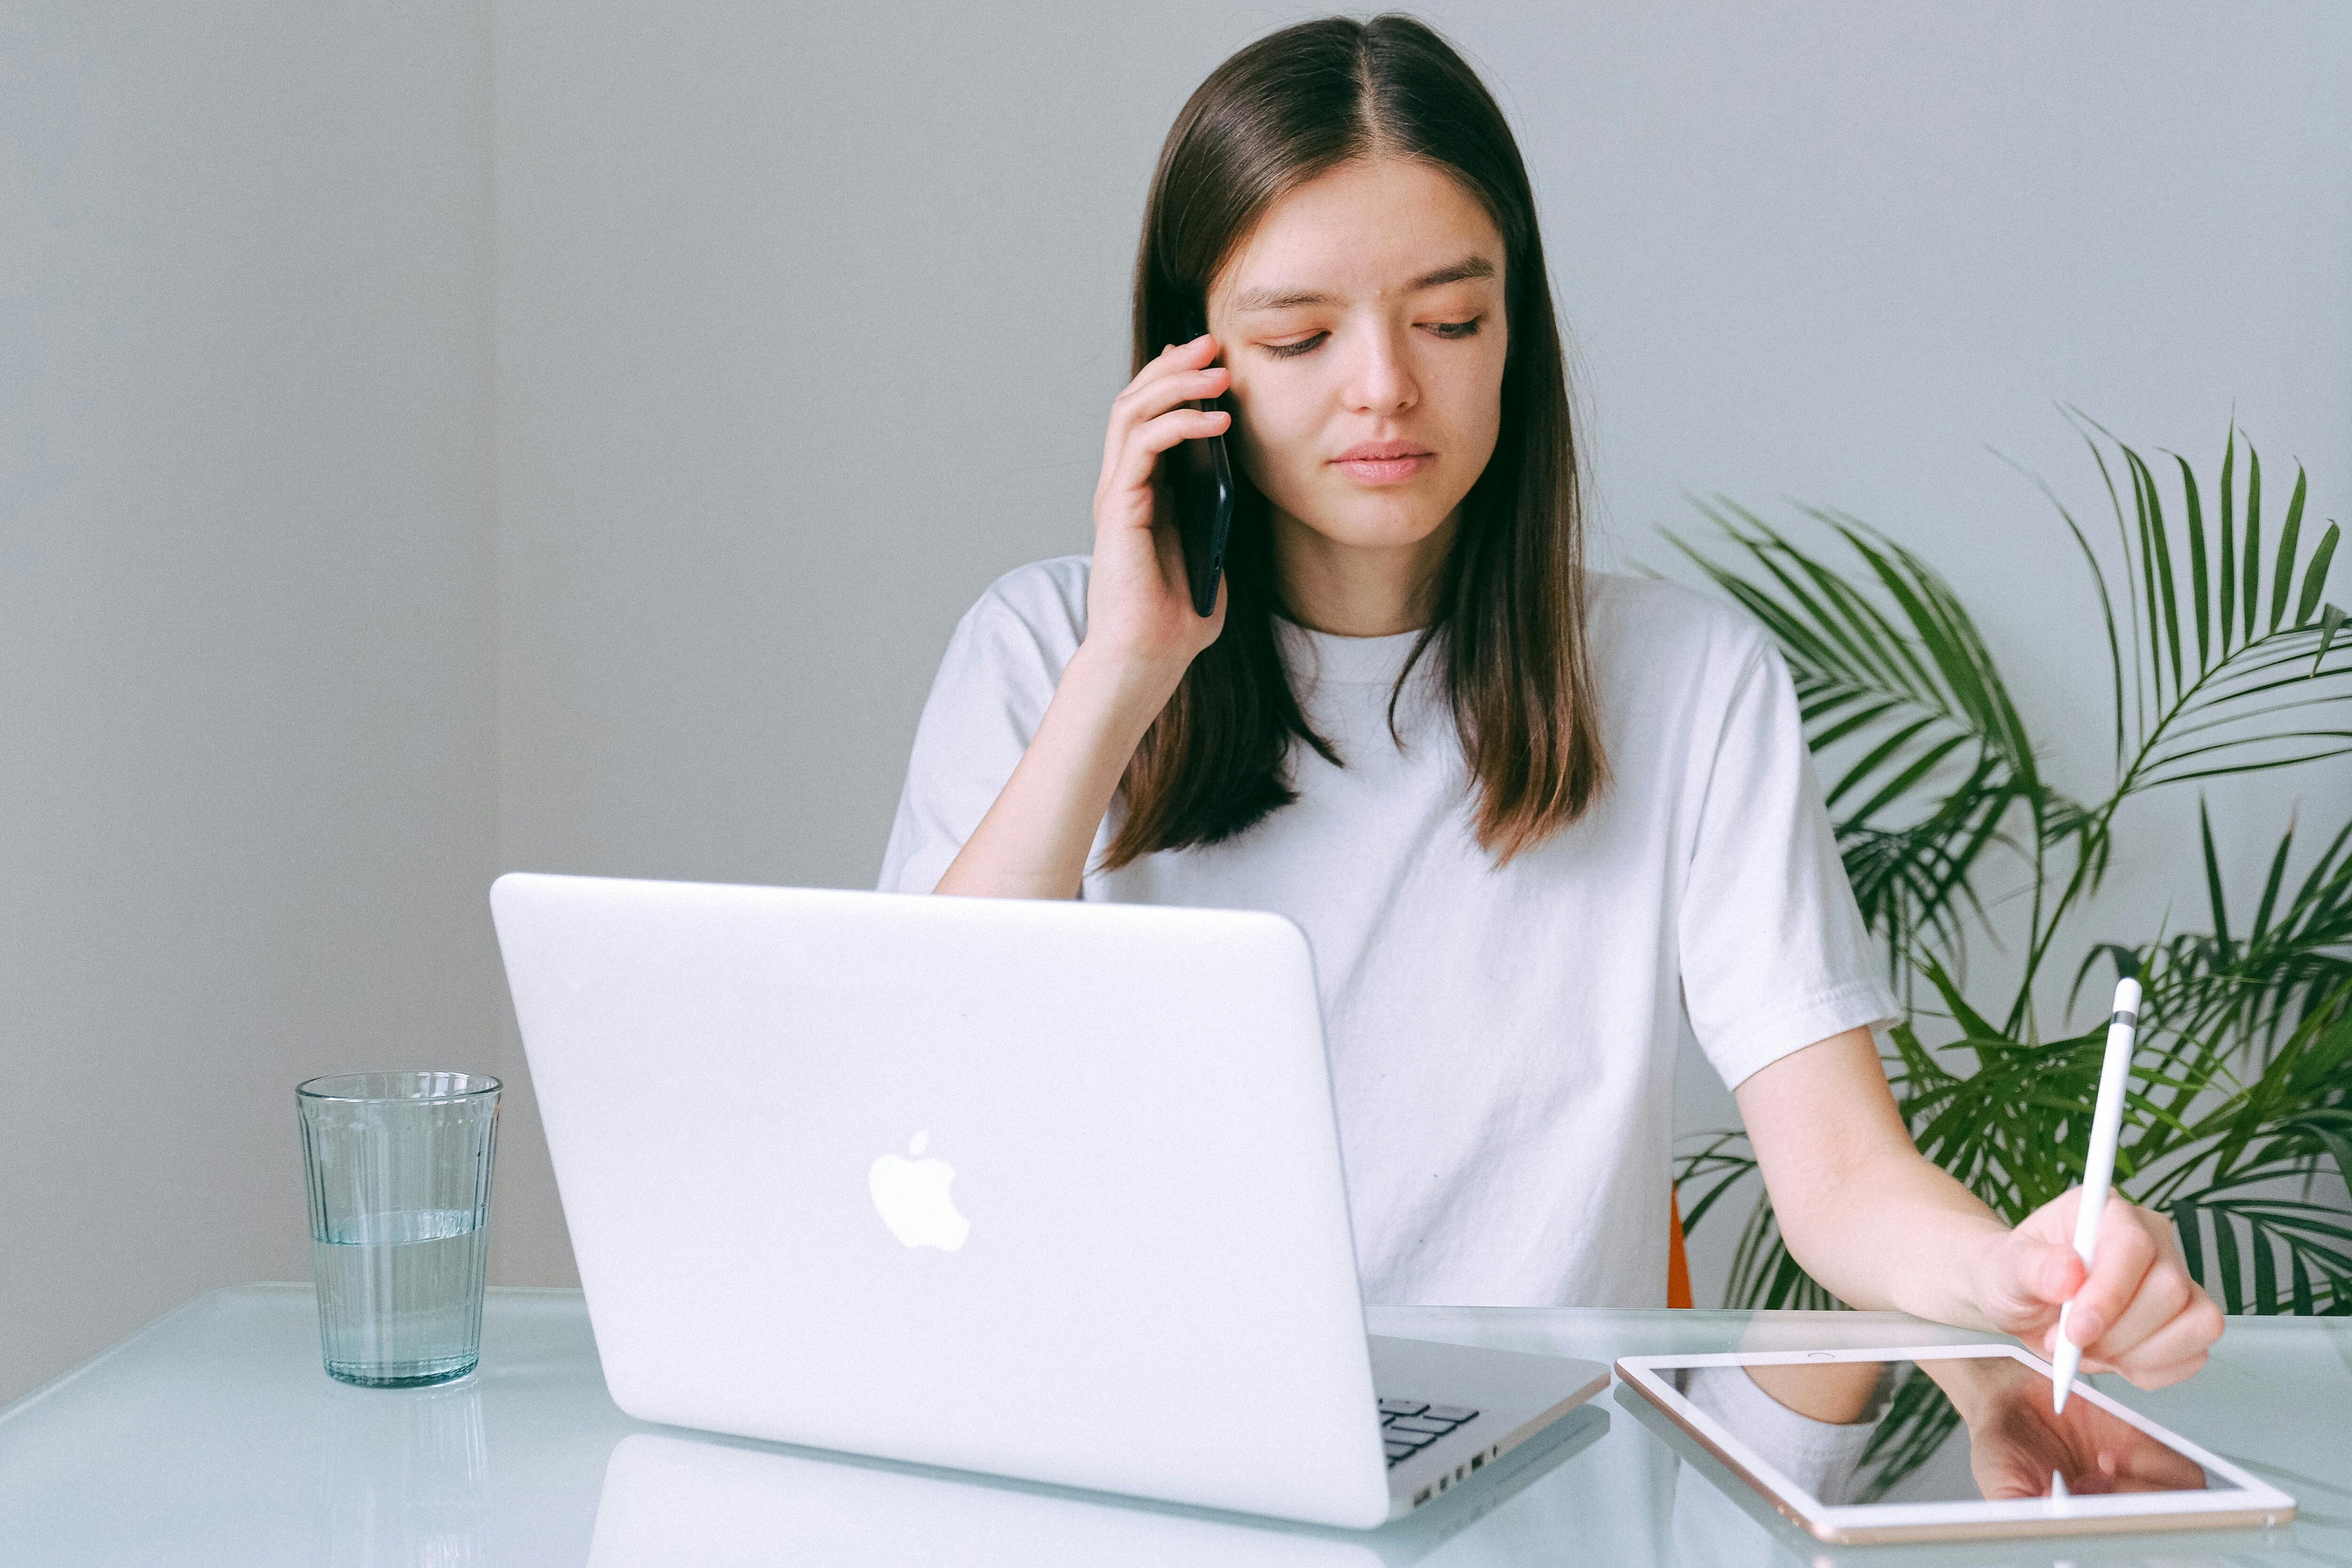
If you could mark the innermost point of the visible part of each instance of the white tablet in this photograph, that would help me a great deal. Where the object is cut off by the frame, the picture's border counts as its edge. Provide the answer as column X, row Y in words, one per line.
column 1944, row 1443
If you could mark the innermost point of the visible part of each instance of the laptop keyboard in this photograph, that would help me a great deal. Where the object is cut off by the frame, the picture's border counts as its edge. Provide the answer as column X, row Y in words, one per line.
column 1409, row 1425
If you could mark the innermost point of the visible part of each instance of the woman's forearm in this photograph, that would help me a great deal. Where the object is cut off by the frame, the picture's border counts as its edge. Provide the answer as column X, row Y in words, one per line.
column 1036, row 839
column 1901, row 1235
column 1860, row 1207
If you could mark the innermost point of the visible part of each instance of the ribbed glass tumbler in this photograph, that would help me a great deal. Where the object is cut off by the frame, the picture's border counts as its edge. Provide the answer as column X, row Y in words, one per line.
column 398, row 1168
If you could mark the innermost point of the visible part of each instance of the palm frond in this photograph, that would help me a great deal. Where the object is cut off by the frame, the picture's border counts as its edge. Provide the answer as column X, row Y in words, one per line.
column 2234, row 1248
column 2199, row 711
column 2244, row 990
column 2226, row 657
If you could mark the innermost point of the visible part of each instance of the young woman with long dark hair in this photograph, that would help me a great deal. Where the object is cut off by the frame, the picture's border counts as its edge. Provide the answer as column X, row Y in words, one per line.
column 1529, row 816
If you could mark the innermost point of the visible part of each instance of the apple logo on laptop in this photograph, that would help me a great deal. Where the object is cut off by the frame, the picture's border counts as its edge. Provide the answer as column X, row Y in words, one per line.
column 911, row 1195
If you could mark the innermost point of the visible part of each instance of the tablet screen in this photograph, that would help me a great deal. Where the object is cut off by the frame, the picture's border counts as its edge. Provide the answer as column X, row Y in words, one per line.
column 1960, row 1430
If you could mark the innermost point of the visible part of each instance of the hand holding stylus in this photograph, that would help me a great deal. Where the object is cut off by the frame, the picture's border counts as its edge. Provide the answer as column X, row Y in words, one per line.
column 2095, row 1283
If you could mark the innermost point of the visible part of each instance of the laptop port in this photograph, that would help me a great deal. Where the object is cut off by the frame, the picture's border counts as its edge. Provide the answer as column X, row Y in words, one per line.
column 1477, row 1461
column 1420, row 1497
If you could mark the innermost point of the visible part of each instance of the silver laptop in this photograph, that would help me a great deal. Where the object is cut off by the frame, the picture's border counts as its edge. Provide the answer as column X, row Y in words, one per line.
column 1040, row 1189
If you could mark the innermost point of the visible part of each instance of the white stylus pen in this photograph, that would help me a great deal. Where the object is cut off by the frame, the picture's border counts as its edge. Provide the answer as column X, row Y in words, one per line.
column 2099, row 1171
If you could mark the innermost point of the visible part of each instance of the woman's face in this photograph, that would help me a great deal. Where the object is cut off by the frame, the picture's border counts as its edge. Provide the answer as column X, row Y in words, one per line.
column 1362, row 320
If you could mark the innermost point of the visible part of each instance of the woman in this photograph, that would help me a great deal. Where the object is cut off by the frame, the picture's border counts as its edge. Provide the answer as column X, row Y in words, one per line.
column 1527, row 815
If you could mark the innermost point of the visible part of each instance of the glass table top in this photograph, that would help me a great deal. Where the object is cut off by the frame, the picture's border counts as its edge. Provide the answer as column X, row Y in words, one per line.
column 212, row 1435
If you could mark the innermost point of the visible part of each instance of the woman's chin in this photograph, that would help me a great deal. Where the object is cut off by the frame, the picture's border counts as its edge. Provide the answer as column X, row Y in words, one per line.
column 1392, row 522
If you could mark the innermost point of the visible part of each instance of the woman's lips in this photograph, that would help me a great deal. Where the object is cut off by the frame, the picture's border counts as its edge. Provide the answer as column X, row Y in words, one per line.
column 1385, row 470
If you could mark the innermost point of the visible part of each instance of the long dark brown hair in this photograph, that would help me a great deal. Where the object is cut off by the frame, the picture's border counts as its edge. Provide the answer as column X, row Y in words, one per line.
column 1509, row 598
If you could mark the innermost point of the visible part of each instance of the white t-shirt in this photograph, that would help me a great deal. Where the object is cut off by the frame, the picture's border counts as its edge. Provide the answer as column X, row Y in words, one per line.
column 1502, row 1041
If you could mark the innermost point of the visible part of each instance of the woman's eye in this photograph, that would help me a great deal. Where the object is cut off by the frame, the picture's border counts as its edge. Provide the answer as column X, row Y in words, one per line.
column 1448, row 331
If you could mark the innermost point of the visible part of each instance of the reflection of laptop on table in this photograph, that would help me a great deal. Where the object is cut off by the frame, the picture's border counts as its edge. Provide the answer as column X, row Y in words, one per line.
column 709, row 1502
column 1039, row 1189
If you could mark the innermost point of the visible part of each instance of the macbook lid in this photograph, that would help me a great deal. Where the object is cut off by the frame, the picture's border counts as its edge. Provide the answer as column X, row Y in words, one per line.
column 1042, row 1189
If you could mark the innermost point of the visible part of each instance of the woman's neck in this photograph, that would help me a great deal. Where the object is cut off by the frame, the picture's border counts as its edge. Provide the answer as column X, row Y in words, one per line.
column 1354, row 590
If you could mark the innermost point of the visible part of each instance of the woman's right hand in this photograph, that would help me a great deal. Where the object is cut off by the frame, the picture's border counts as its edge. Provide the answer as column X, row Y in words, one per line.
column 1139, row 615
column 1142, row 635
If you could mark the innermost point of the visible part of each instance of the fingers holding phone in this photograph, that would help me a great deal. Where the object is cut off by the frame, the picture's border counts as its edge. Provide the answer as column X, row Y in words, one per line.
column 1141, row 600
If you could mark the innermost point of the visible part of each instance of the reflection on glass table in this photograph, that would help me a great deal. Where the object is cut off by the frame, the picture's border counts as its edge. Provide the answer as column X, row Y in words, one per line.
column 1934, row 1431
column 404, row 1479
column 213, row 1438
column 681, row 1500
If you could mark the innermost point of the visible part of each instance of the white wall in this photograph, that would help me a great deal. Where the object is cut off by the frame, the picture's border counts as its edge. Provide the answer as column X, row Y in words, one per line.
column 809, row 319
column 245, row 635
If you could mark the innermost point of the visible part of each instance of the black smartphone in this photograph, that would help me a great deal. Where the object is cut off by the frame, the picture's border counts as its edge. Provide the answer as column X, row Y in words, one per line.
column 1200, row 486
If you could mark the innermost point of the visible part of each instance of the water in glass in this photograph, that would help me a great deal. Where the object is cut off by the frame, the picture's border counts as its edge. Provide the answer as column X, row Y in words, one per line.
column 400, row 1295
column 398, row 1167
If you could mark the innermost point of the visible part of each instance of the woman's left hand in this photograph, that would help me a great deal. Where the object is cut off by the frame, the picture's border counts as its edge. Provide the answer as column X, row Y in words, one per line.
column 2137, row 1313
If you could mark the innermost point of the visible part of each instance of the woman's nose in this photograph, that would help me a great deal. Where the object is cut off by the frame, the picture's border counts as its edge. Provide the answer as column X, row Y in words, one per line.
column 1380, row 377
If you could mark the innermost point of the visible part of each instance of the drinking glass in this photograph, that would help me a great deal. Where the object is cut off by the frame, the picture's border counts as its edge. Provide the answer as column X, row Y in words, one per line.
column 398, row 1168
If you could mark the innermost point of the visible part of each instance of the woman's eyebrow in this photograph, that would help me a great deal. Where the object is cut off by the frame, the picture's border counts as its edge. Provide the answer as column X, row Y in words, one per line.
column 1469, row 266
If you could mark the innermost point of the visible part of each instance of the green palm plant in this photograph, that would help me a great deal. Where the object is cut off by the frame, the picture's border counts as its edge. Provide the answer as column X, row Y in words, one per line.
column 2226, row 659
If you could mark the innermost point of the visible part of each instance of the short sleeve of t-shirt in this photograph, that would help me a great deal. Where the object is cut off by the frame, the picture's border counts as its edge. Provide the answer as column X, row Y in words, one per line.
column 1774, row 954
column 998, row 675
